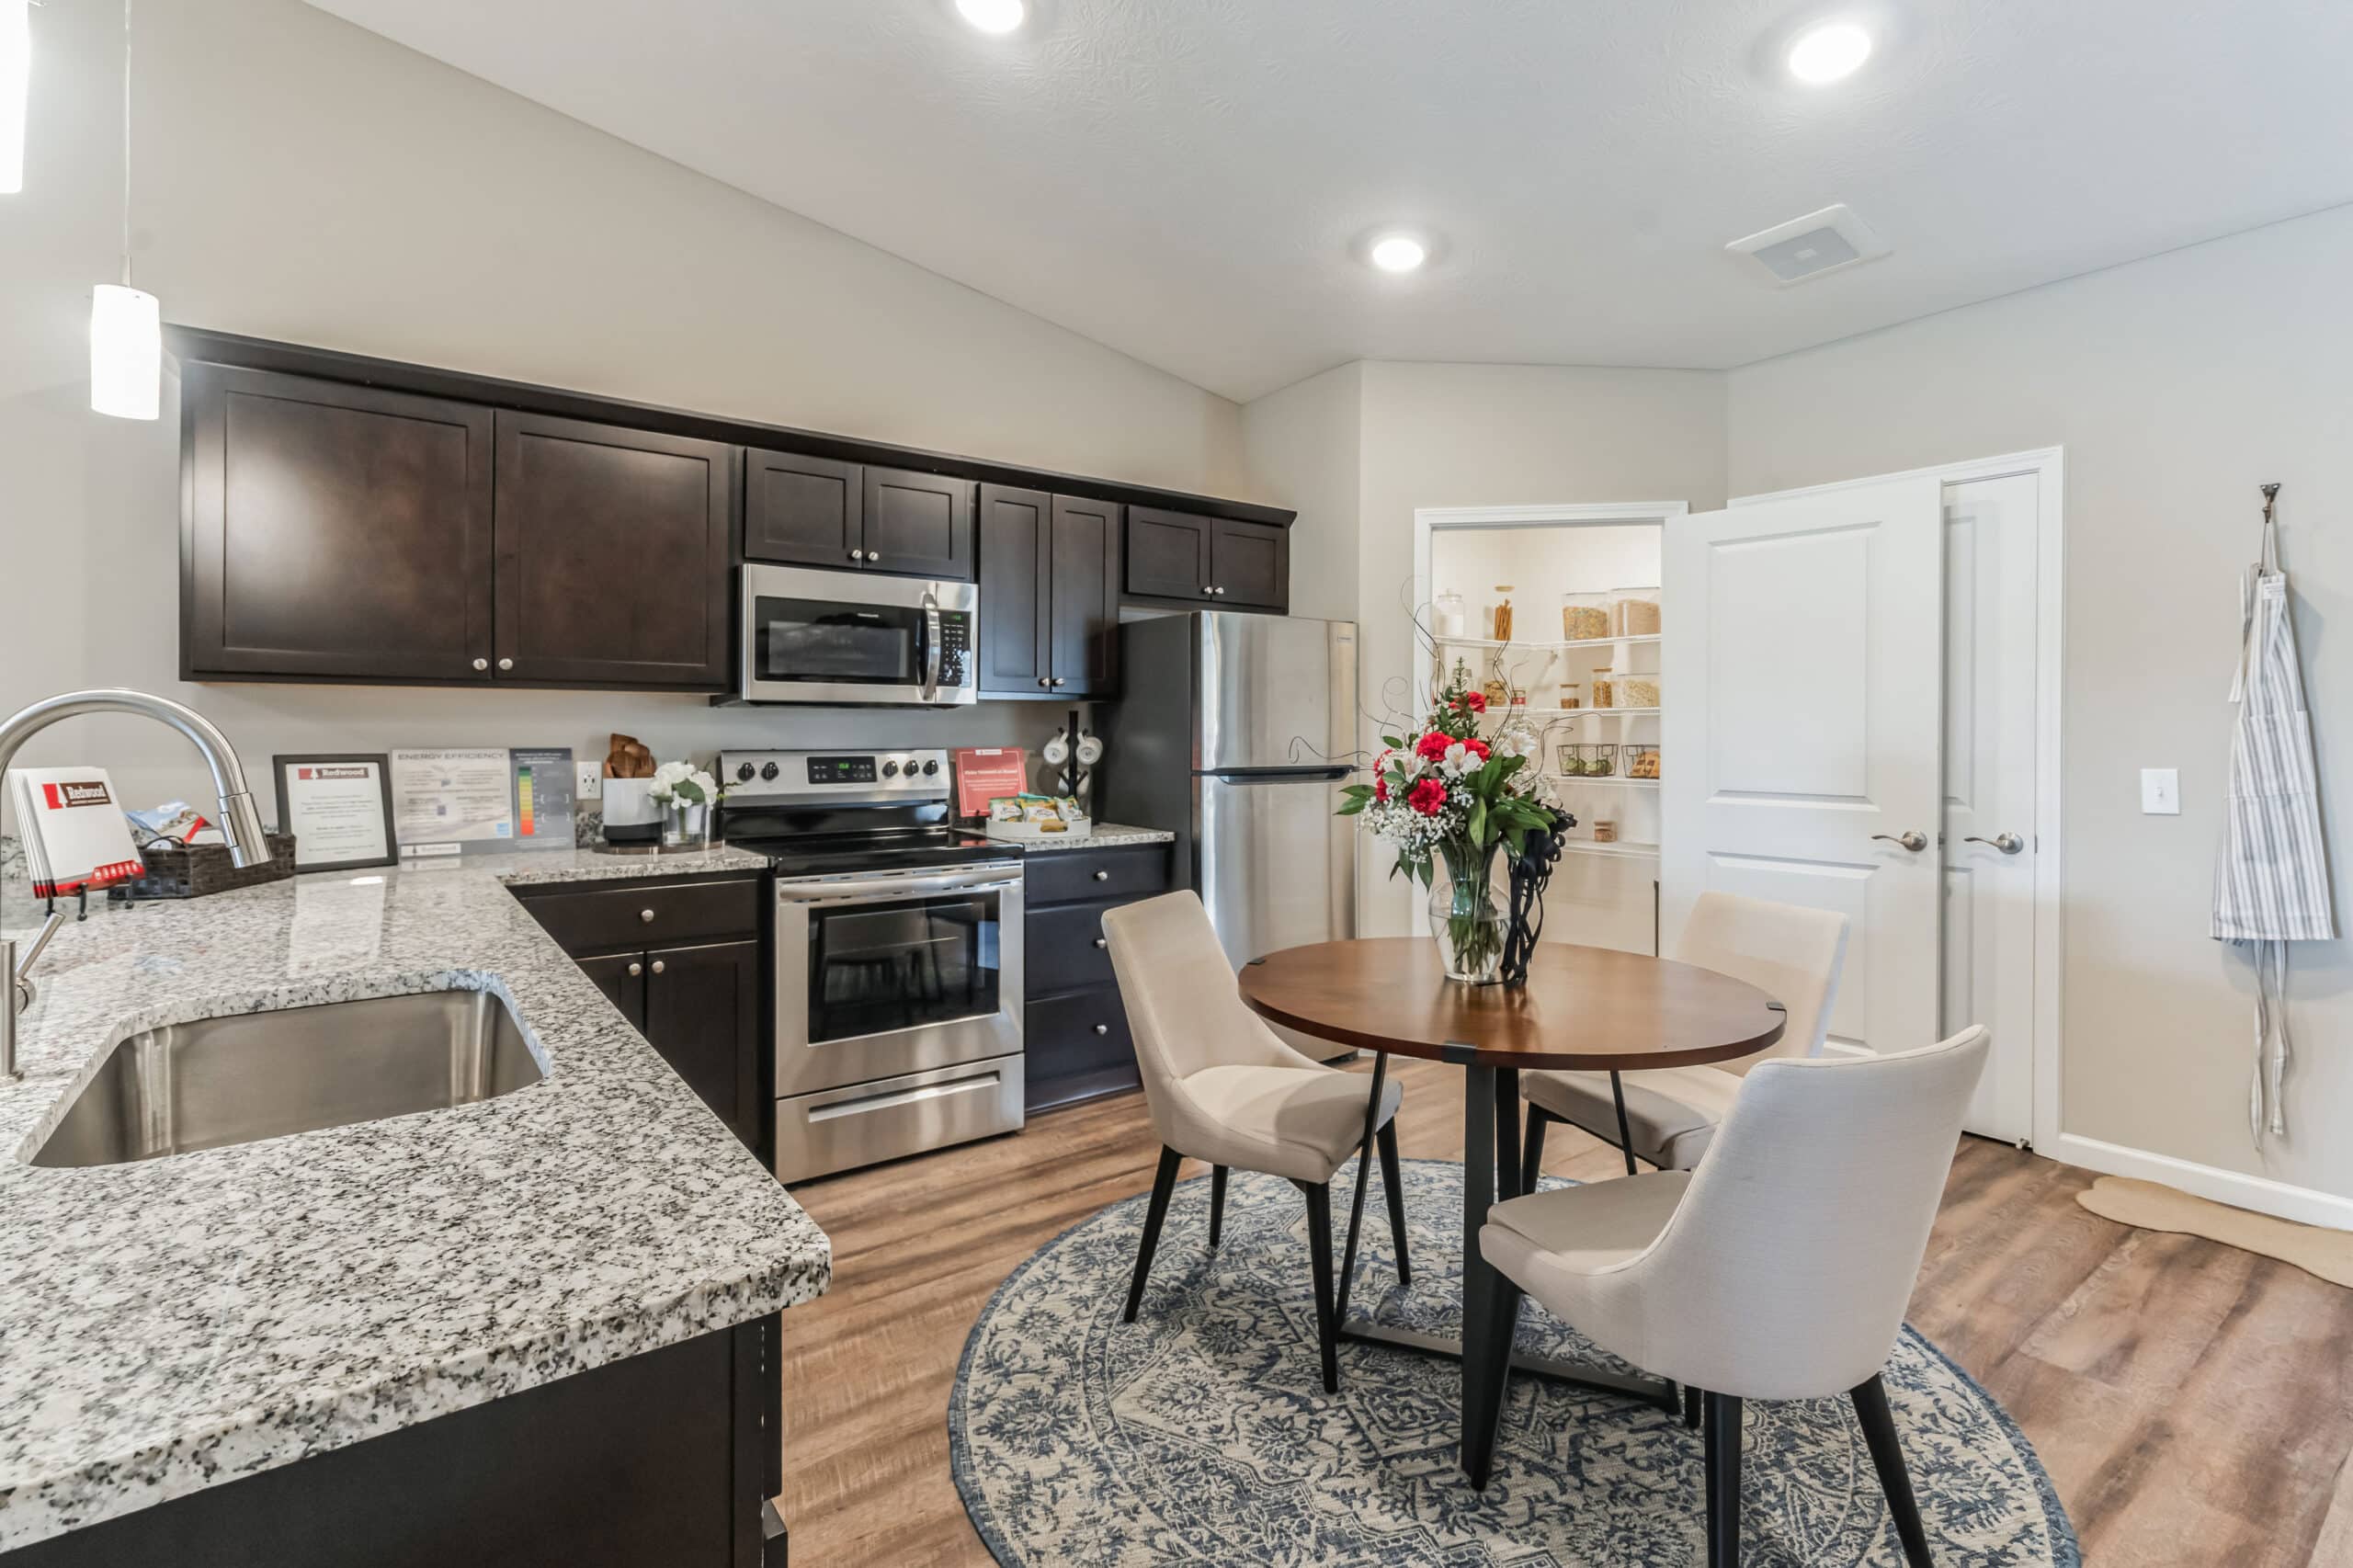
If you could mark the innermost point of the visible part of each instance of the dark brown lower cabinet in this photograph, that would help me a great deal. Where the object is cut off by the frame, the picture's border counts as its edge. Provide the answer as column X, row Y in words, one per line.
column 664, row 1460
column 1074, row 1026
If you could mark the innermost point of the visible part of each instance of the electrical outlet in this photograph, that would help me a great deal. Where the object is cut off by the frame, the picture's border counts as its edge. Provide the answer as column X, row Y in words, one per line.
column 588, row 781
column 2160, row 792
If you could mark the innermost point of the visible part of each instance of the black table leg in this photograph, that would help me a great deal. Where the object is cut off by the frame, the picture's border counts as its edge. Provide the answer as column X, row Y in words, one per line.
column 1506, row 1134
column 1364, row 1167
column 1480, row 1088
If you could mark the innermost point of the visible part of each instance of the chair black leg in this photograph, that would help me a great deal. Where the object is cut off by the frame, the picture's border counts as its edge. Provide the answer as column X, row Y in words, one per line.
column 1164, row 1182
column 1531, row 1157
column 1393, row 1184
column 1319, row 1252
column 1723, row 1412
column 1691, row 1408
column 1625, row 1133
column 1887, row 1457
column 1217, row 1203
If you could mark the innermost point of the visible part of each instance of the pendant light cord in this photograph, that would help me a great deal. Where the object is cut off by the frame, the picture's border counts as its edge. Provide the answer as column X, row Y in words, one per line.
column 126, row 143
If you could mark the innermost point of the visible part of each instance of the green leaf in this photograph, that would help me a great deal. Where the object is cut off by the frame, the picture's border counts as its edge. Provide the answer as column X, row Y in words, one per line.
column 1356, row 791
column 1356, row 805
column 1478, row 823
column 1392, row 742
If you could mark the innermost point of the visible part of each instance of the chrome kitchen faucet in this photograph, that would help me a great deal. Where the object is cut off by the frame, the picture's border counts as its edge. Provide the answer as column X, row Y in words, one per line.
column 240, row 821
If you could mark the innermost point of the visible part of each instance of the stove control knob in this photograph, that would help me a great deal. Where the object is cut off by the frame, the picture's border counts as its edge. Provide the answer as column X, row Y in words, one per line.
column 931, row 768
column 744, row 772
column 768, row 772
column 889, row 770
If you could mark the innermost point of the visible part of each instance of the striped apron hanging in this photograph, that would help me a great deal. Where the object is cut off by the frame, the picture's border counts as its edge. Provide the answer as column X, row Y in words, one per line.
column 2272, row 883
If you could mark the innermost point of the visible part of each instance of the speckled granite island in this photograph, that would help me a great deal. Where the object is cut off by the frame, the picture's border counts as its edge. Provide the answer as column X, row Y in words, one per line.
column 435, row 1329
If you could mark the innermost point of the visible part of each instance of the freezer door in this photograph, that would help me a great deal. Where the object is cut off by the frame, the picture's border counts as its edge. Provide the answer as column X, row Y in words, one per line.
column 1276, row 868
column 1273, row 691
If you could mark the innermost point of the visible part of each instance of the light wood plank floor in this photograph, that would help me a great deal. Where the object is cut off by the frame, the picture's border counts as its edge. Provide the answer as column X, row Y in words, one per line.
column 2194, row 1404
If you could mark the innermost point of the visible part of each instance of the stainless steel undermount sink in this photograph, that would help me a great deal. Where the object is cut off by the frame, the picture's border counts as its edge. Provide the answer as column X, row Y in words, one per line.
column 255, row 1076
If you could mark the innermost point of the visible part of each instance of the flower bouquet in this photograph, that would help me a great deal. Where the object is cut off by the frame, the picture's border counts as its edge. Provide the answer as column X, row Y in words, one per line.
column 687, row 793
column 1450, row 792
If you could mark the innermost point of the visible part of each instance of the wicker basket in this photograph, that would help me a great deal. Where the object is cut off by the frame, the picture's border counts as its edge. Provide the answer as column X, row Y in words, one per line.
column 192, row 871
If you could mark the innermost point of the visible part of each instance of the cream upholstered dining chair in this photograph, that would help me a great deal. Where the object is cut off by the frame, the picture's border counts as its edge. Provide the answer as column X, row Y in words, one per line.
column 1224, row 1090
column 1666, row 1116
column 1779, row 1269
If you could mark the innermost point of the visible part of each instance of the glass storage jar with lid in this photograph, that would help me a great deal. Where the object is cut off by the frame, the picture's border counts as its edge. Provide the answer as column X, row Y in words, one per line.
column 1637, row 688
column 1452, row 620
column 1634, row 611
column 1604, row 688
column 1585, row 618
column 1572, row 694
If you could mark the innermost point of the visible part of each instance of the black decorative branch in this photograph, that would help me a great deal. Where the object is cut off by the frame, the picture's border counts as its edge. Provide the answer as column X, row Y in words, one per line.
column 1532, row 871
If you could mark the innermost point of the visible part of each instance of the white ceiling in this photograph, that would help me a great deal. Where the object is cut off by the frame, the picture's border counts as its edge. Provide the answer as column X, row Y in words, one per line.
column 1184, row 179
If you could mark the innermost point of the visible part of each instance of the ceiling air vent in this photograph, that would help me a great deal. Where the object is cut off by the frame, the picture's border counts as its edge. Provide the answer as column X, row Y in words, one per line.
column 1810, row 246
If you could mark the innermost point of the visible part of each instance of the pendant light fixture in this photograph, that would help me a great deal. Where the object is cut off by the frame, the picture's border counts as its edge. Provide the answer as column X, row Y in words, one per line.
column 16, row 89
column 126, row 326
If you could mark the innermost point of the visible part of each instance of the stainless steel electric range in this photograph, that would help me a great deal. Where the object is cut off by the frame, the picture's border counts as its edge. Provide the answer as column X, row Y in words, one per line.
column 898, row 956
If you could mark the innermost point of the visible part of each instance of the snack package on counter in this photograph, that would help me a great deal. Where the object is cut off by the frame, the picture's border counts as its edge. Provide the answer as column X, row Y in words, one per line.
column 1037, row 816
column 174, row 821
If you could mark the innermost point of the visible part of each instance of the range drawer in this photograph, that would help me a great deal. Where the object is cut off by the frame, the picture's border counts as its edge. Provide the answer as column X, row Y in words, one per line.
column 1061, row 876
column 1085, row 1032
column 634, row 915
column 1066, row 948
column 839, row 1129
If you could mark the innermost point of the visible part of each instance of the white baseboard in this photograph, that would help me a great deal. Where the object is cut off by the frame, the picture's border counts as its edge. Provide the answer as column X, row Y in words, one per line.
column 2236, row 1189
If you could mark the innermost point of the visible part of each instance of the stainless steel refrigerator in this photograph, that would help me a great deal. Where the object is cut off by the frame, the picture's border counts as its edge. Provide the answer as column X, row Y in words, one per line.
column 1233, row 731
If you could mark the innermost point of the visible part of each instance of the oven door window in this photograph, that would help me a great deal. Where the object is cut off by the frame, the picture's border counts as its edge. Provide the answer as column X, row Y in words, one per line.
column 835, row 643
column 880, row 966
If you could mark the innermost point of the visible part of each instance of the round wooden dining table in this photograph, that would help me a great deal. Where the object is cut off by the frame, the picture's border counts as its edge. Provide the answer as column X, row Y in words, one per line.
column 1583, row 1010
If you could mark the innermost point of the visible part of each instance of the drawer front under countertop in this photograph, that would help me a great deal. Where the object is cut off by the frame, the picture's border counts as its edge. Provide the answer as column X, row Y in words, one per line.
column 586, row 920
column 1066, row 876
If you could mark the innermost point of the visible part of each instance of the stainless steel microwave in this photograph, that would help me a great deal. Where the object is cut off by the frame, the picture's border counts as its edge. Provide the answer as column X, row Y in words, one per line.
column 857, row 638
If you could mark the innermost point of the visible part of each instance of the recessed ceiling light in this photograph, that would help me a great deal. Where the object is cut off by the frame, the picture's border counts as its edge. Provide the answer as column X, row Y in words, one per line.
column 1828, row 53
column 993, row 16
column 1398, row 253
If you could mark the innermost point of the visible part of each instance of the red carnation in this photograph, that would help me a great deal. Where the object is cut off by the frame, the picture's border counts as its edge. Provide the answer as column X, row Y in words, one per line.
column 1380, row 788
column 1428, row 797
column 1475, row 702
column 1476, row 746
column 1433, row 745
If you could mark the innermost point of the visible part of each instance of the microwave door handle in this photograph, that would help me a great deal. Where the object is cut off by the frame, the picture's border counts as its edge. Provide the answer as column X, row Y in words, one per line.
column 930, row 646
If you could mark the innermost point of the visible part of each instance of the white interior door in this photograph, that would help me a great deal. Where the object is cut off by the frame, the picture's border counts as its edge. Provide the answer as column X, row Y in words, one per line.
column 1991, row 538
column 1803, row 729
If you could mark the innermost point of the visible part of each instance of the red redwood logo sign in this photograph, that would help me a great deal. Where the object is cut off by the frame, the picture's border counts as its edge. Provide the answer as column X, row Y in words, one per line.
column 70, row 793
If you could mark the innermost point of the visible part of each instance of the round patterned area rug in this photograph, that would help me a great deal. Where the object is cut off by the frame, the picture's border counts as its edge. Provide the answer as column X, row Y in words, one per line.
column 1202, row 1432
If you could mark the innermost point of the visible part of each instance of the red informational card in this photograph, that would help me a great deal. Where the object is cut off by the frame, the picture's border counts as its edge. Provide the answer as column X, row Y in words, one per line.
column 986, row 773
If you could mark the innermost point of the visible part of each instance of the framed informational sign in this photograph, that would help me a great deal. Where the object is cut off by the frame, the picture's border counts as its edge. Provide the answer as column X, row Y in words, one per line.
column 482, row 800
column 338, row 808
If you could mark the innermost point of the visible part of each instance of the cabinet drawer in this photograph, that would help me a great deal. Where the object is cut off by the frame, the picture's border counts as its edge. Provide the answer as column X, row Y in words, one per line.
column 1084, row 1033
column 1066, row 948
column 1063, row 876
column 638, row 917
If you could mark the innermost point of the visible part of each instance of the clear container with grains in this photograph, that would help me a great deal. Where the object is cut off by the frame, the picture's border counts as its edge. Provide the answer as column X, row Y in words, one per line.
column 1585, row 618
column 1634, row 611
column 1605, row 830
column 1638, row 690
column 1499, row 619
column 1572, row 694
column 1603, row 688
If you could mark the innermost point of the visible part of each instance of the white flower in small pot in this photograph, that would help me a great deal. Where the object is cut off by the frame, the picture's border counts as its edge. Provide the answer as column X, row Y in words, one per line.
column 686, row 794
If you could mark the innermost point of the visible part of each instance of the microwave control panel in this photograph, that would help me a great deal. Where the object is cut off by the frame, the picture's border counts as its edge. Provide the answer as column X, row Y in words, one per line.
column 955, row 646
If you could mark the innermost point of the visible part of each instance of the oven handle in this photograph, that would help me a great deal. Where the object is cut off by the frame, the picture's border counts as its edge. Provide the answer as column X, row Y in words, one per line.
column 930, row 646
column 890, row 888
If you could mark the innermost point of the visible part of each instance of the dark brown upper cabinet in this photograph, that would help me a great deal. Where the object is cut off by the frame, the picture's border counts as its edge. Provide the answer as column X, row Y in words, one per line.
column 1249, row 565
column 803, row 511
column 1049, row 594
column 332, row 532
column 1168, row 554
column 919, row 525
column 612, row 555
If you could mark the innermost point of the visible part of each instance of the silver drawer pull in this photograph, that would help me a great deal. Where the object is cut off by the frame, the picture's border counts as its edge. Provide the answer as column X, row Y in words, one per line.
column 1102, row 1028
column 506, row 664
column 657, row 966
column 1102, row 876
column 482, row 663
column 645, row 915
column 636, row 968
column 1102, row 942
column 902, row 1097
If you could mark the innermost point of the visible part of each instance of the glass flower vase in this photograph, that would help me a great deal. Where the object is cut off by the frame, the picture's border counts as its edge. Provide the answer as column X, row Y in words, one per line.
column 1469, row 917
column 685, row 825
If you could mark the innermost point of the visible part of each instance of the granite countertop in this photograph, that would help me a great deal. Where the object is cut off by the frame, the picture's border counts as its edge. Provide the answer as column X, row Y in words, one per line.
column 174, row 1324
column 1106, row 835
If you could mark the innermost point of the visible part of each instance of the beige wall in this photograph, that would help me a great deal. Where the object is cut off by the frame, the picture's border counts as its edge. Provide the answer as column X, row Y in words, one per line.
column 1304, row 448
column 302, row 179
column 2176, row 385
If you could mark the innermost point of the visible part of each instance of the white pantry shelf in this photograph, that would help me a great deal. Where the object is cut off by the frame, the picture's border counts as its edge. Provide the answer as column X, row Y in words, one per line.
column 1607, row 779
column 1620, row 850
column 1592, row 713
column 1536, row 647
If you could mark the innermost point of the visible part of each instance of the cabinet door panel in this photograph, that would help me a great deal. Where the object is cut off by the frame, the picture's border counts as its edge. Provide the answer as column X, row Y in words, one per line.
column 919, row 525
column 1016, row 590
column 1083, row 574
column 1169, row 553
column 621, row 977
column 332, row 531
column 1250, row 565
column 612, row 554
column 702, row 1015
column 806, row 511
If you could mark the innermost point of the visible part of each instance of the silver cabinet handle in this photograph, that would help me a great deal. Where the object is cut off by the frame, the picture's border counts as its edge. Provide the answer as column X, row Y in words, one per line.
column 873, row 555
column 657, row 966
column 1043, row 681
column 1912, row 839
column 2008, row 843
column 1206, row 591
column 1102, row 876
column 1218, row 590
column 1056, row 681
column 506, row 664
column 1102, row 942
column 646, row 915
column 857, row 555
column 482, row 663
column 1102, row 1028
column 636, row 968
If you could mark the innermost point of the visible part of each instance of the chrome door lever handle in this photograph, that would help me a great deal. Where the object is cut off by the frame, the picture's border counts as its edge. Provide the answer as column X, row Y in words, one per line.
column 2008, row 843
column 1912, row 839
